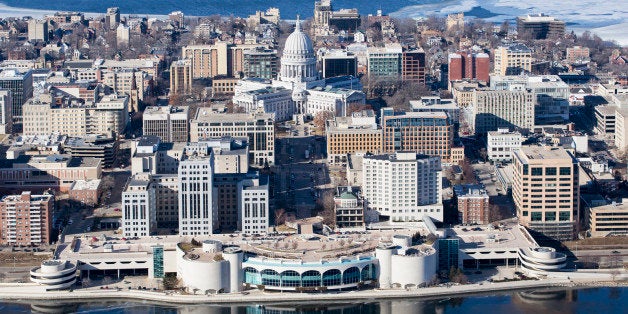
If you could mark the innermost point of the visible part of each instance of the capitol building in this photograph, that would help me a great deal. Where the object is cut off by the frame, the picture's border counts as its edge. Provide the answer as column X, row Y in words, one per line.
column 298, row 92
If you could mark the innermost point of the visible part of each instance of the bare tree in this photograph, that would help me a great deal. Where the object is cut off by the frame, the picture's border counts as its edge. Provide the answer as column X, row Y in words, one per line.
column 321, row 118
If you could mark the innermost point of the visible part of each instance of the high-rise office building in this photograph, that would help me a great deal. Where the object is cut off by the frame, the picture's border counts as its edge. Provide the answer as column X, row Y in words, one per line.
column 546, row 191
column 540, row 26
column 197, row 216
column 493, row 110
column 138, row 207
column 112, row 19
column 413, row 66
column 170, row 123
column 20, row 83
column 253, row 205
column 259, row 129
column 339, row 63
column 385, row 61
column 26, row 219
column 6, row 120
column 261, row 63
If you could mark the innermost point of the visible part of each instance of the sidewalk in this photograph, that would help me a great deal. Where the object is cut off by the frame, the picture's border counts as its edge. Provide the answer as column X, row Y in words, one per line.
column 34, row 292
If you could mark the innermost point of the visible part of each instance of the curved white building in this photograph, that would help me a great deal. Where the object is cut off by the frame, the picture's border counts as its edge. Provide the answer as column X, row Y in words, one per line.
column 542, row 259
column 297, row 275
column 204, row 268
column 402, row 264
column 54, row 274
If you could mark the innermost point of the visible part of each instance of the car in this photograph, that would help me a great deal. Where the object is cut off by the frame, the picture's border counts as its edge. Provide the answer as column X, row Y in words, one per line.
column 116, row 209
column 70, row 222
column 615, row 252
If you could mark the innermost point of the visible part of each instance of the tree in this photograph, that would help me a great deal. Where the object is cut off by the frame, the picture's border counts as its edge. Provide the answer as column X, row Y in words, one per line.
column 280, row 216
column 325, row 207
column 321, row 118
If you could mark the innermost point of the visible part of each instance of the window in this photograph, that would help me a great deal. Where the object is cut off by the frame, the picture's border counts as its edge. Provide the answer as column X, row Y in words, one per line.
column 536, row 216
column 525, row 213
column 565, row 171
column 550, row 171
column 564, row 216
column 537, row 171
column 550, row 216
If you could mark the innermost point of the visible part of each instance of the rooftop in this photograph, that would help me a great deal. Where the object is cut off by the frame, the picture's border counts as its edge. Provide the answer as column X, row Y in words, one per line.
column 508, row 236
column 536, row 153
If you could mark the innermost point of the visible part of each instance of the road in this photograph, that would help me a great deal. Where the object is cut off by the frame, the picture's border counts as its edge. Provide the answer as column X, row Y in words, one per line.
column 297, row 180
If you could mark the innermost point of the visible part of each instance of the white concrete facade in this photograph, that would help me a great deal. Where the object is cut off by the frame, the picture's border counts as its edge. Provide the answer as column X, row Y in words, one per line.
column 404, row 186
column 501, row 143
column 138, row 207
column 196, row 207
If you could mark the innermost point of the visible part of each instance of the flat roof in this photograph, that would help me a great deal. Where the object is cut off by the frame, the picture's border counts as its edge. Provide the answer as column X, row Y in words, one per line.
column 510, row 236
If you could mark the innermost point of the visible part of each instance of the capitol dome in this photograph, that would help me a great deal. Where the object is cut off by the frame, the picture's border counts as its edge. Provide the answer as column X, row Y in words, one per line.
column 298, row 42
column 298, row 62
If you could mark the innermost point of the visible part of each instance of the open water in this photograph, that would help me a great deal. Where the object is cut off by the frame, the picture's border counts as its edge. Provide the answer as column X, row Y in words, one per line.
column 543, row 301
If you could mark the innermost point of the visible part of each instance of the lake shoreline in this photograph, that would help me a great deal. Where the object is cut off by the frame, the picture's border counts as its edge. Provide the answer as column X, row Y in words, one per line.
column 27, row 292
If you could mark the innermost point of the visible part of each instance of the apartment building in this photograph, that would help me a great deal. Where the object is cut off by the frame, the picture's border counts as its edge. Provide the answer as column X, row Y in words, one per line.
column 468, row 65
column 577, row 55
column 26, row 219
column 259, row 129
column 403, row 186
column 138, row 207
column 218, row 59
column 546, row 191
column 170, row 123
column 181, row 77
column 493, row 109
column 413, row 66
column 429, row 133
column 108, row 117
column 473, row 205
column 512, row 60
column 501, row 143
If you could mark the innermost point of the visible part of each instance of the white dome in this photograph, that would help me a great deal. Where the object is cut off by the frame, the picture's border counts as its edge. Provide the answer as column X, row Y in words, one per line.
column 298, row 42
column 298, row 62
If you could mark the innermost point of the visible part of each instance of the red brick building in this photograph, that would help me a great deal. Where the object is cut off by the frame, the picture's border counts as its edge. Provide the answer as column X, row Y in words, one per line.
column 473, row 205
column 26, row 219
column 466, row 65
